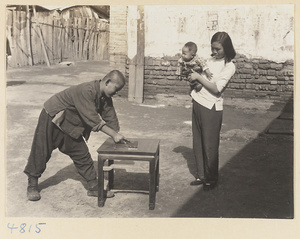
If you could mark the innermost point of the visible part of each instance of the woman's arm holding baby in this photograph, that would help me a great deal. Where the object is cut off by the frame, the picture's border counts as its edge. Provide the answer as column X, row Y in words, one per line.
column 210, row 86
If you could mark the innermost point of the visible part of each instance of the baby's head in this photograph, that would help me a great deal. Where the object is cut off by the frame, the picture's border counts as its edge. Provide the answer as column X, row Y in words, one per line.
column 189, row 51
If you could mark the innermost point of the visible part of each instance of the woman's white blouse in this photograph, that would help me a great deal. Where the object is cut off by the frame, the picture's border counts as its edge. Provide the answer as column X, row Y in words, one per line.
column 222, row 73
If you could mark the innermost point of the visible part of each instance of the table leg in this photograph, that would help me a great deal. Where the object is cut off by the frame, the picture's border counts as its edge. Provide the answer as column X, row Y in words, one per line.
column 100, row 182
column 157, row 174
column 152, row 184
column 110, row 175
column 157, row 170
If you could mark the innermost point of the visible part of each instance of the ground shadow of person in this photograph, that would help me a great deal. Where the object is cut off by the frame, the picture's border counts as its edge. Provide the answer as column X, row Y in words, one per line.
column 124, row 180
column 255, row 182
column 64, row 174
column 188, row 155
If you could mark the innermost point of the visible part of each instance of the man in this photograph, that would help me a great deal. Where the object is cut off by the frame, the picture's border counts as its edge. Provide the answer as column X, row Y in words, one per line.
column 68, row 118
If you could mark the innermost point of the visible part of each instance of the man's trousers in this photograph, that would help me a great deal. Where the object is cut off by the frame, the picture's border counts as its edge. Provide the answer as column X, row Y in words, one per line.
column 48, row 137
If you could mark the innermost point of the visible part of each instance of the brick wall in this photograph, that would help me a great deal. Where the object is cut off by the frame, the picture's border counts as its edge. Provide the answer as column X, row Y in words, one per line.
column 118, row 48
column 254, row 78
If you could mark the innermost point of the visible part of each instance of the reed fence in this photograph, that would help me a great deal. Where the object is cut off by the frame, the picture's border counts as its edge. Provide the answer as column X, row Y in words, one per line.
column 39, row 38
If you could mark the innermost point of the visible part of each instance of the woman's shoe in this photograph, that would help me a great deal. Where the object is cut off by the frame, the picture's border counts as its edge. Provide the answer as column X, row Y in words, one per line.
column 196, row 182
column 207, row 186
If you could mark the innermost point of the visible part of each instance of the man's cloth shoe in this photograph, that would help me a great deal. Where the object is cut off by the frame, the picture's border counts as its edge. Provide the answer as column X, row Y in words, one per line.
column 33, row 193
column 94, row 193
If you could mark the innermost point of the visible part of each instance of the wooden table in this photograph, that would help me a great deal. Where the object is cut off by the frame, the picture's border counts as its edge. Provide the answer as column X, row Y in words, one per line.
column 146, row 150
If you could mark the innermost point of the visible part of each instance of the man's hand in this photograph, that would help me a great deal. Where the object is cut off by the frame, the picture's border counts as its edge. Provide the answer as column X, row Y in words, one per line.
column 118, row 137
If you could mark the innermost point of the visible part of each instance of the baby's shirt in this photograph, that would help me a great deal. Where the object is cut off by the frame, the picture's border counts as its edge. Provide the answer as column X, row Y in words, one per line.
column 198, row 64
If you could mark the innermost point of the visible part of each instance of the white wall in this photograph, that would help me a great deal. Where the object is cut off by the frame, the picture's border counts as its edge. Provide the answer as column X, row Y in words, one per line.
column 258, row 31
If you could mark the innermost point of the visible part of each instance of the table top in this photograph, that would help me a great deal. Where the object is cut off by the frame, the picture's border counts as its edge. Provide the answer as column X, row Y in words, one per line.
column 144, row 147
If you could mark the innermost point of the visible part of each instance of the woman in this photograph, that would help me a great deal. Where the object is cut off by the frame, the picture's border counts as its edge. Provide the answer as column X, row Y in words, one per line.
column 208, row 110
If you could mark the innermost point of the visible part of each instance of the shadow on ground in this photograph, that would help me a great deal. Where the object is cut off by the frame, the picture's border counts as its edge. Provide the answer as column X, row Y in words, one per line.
column 250, row 183
column 123, row 180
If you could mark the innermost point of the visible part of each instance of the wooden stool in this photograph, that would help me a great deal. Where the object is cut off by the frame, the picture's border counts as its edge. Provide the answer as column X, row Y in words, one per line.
column 146, row 150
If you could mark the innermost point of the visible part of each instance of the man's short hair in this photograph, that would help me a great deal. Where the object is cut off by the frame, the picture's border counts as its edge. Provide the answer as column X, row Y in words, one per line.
column 116, row 76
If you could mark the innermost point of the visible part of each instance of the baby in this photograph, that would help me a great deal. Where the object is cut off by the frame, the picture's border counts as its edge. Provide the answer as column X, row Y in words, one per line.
column 189, row 62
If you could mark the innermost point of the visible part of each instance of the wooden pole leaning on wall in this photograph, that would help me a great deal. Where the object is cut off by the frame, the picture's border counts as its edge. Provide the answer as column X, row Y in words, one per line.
column 41, row 37
column 140, row 56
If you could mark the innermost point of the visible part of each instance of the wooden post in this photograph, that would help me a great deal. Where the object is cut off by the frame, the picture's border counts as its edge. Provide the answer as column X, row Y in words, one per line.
column 41, row 37
column 23, row 60
column 29, row 48
column 140, row 57
column 16, row 38
column 59, row 39
column 132, row 53
column 68, row 40
column 91, row 40
column 53, row 39
column 132, row 80
column 80, row 37
column 75, row 37
column 86, row 39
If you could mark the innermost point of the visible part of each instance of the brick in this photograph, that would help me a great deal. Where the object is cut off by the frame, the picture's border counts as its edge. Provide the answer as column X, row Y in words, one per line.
column 273, row 82
column 262, row 80
column 275, row 97
column 248, row 66
column 262, row 72
column 234, row 86
column 271, row 72
column 289, row 63
column 263, row 61
column 260, row 94
column 276, row 66
column 279, row 88
column 272, row 87
column 264, row 66
column 247, row 71
column 271, row 77
column 235, row 80
column 149, row 61
column 250, row 86
column 288, row 88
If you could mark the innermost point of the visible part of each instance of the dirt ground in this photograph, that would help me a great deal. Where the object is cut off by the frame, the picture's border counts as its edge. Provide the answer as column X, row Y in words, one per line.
column 256, row 169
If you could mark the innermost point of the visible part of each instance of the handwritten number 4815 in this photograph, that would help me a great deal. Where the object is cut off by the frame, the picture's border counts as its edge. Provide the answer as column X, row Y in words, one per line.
column 24, row 228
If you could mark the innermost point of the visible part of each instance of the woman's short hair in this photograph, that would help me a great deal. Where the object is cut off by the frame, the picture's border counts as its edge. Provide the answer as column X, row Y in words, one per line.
column 224, row 39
